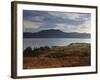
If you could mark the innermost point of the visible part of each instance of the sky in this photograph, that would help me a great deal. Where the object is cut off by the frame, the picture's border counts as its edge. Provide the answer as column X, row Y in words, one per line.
column 34, row 21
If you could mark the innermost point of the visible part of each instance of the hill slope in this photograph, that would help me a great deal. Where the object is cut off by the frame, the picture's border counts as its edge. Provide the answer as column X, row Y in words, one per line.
column 75, row 54
column 51, row 33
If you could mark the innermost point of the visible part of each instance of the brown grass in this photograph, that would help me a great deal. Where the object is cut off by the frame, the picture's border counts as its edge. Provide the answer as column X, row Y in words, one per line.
column 77, row 54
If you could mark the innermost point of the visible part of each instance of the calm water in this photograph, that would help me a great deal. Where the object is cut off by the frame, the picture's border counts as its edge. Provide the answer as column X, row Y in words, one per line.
column 37, row 42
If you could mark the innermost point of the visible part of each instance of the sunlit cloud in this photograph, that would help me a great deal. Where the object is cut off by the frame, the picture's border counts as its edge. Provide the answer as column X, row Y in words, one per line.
column 34, row 21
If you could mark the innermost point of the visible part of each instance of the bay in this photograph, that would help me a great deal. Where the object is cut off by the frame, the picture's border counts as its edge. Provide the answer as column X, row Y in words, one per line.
column 38, row 42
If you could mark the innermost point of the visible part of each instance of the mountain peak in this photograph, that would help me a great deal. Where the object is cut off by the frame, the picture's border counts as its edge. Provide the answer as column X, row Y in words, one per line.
column 51, row 30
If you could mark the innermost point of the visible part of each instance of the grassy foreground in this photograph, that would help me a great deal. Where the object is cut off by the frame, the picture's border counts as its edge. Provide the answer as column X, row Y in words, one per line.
column 75, row 54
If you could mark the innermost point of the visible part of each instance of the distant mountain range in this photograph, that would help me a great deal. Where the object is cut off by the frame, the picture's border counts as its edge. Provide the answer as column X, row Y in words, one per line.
column 52, row 33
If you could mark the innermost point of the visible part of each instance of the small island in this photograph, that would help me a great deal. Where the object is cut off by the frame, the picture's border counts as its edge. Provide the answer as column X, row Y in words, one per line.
column 72, row 55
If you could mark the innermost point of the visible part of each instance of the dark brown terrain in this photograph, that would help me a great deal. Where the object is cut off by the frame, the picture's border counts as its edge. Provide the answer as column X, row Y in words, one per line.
column 75, row 54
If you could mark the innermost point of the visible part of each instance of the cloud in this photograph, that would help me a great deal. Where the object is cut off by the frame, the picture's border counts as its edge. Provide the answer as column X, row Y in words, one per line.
column 68, row 15
column 66, row 21
column 85, row 27
column 82, row 28
column 71, row 15
column 30, row 26
column 54, row 17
